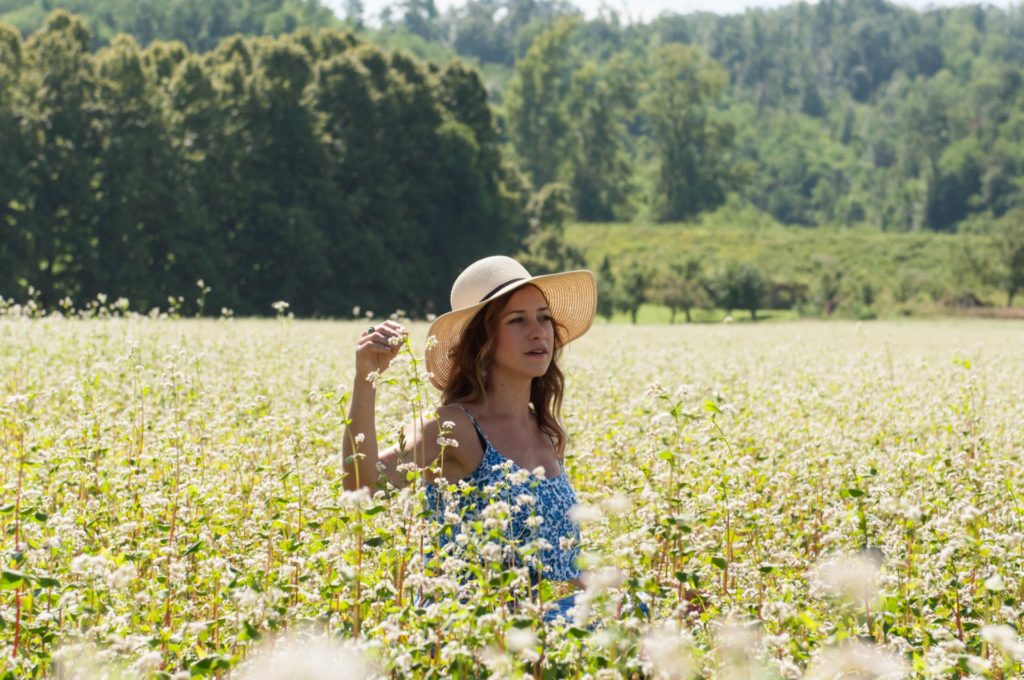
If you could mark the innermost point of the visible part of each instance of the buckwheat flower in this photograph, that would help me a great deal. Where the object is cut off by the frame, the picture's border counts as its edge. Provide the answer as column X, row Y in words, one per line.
column 122, row 576
column 668, row 653
column 616, row 505
column 539, row 472
column 315, row 659
column 519, row 477
column 970, row 515
column 431, row 342
column 857, row 660
column 359, row 438
column 148, row 662
column 520, row 639
column 491, row 552
column 995, row 583
column 1004, row 638
column 395, row 340
column 584, row 514
column 602, row 578
column 525, row 499
column 447, row 442
column 978, row 665
column 372, row 377
column 855, row 577
column 776, row 641
column 448, row 426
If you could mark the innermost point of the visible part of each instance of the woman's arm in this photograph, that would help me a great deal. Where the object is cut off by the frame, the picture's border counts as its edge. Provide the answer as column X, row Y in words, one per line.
column 423, row 440
column 359, row 449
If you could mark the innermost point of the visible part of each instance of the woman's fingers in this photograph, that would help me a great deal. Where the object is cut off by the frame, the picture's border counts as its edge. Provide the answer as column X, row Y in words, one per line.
column 388, row 335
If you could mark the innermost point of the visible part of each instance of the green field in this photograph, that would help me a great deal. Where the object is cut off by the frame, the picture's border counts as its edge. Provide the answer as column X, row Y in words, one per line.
column 789, row 500
column 919, row 273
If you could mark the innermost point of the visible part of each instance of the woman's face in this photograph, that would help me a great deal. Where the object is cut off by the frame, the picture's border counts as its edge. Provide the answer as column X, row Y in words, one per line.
column 526, row 334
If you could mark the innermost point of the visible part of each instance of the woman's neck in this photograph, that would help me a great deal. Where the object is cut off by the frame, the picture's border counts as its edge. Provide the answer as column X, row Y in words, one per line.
column 508, row 397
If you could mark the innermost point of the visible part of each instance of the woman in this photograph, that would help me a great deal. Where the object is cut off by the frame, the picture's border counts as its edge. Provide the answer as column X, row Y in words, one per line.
column 494, row 358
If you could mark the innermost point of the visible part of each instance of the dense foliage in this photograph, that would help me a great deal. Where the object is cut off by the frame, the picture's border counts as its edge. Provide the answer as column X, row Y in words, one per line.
column 199, row 24
column 810, row 500
column 844, row 111
column 296, row 168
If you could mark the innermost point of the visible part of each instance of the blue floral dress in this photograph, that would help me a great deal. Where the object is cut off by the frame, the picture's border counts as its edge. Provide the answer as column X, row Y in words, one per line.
column 499, row 480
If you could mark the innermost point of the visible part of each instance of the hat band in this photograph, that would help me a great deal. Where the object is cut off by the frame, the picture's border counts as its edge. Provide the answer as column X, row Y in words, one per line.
column 509, row 282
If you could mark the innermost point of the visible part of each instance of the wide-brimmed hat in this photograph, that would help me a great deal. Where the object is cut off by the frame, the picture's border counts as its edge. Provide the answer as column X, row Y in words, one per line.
column 571, row 296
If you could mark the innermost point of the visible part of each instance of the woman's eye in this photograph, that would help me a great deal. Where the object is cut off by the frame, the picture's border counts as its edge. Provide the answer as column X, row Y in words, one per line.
column 518, row 319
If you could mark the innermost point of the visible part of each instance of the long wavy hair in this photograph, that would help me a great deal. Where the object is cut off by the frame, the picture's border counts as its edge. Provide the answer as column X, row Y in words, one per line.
column 473, row 358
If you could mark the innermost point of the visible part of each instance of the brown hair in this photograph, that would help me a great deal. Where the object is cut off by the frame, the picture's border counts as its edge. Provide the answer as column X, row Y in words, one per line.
column 473, row 356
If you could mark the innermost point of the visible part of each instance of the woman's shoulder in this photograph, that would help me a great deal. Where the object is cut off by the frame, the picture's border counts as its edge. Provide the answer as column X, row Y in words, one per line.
column 452, row 422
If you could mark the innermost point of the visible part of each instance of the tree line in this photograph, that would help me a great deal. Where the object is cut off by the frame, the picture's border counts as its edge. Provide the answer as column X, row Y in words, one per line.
column 313, row 168
column 833, row 113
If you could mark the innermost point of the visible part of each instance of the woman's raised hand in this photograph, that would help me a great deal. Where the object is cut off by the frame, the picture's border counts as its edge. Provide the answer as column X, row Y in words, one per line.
column 377, row 346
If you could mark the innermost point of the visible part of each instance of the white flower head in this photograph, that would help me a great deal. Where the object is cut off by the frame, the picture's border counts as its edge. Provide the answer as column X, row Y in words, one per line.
column 585, row 514
column 857, row 660
column 313, row 659
column 668, row 653
column 853, row 577
column 520, row 639
column 1003, row 638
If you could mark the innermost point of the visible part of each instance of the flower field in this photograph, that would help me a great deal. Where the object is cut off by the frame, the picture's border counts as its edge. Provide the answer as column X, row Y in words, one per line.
column 784, row 501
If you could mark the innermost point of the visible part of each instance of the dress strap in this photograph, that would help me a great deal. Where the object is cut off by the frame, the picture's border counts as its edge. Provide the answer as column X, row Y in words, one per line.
column 484, row 441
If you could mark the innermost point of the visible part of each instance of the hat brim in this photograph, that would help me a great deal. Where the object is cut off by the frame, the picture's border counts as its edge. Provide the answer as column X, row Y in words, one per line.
column 572, row 299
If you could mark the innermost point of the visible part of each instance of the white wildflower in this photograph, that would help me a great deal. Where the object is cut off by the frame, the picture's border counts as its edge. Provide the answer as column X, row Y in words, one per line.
column 668, row 653
column 1004, row 638
column 858, row 660
column 855, row 577
column 585, row 514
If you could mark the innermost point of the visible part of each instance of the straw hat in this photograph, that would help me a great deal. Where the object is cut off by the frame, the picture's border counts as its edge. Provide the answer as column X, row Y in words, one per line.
column 571, row 296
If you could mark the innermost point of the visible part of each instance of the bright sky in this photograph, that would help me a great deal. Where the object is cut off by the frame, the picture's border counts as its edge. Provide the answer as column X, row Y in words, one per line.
column 648, row 9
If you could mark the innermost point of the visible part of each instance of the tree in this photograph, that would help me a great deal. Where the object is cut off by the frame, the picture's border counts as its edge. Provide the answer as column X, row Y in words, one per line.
column 538, row 122
column 600, row 177
column 693, row 145
column 633, row 284
column 14, row 228
column 606, row 289
column 740, row 286
column 546, row 251
column 678, row 286
column 61, row 94
column 1009, row 248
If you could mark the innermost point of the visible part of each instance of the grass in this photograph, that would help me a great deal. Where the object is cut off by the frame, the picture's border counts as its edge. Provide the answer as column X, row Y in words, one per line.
column 909, row 271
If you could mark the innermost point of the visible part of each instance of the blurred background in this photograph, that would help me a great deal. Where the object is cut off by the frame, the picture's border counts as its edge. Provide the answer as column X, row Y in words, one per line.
column 848, row 158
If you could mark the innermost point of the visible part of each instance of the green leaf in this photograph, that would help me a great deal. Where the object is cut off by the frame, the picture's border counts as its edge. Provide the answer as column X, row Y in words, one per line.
column 854, row 493
column 719, row 562
column 711, row 407
column 47, row 582
column 374, row 541
column 209, row 665
column 10, row 580
column 578, row 633
column 192, row 548
column 249, row 632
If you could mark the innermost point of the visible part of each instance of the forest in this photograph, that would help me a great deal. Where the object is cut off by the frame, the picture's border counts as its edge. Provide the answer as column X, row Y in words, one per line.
column 342, row 161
